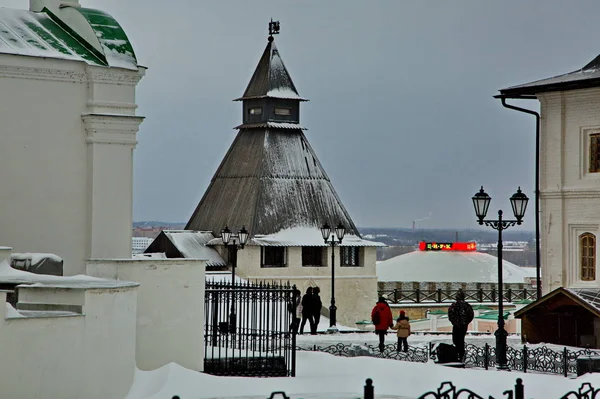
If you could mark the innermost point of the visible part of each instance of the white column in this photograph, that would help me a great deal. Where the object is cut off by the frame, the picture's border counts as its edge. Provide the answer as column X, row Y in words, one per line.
column 110, row 143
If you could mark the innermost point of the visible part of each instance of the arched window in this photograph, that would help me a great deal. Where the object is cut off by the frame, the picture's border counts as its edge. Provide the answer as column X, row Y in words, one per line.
column 587, row 254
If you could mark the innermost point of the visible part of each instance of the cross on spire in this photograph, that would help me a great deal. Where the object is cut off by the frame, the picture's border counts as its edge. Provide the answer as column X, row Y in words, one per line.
column 273, row 29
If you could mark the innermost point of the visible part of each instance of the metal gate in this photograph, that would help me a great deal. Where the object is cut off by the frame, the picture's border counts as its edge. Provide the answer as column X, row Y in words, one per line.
column 248, row 329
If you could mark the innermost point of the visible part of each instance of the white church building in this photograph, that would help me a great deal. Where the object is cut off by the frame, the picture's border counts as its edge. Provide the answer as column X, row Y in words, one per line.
column 569, row 203
column 68, row 78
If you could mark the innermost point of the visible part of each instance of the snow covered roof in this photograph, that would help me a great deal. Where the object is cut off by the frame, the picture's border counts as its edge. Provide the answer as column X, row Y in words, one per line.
column 190, row 244
column 34, row 34
column 588, row 76
column 302, row 237
column 8, row 275
column 588, row 298
column 271, row 78
column 449, row 266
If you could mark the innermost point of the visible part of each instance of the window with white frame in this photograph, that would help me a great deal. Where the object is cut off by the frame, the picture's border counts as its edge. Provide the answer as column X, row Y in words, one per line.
column 587, row 256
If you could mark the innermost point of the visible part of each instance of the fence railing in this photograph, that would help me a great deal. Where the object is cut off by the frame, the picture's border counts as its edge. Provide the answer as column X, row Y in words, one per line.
column 439, row 295
column 248, row 330
column 539, row 359
column 448, row 390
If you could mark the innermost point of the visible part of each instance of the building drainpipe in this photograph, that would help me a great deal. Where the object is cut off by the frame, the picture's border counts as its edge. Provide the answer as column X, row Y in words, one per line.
column 537, row 187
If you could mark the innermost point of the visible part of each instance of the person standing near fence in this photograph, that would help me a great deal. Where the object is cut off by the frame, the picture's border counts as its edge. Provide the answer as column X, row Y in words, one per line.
column 307, row 310
column 382, row 318
column 317, row 305
column 295, row 308
column 403, row 328
column 460, row 314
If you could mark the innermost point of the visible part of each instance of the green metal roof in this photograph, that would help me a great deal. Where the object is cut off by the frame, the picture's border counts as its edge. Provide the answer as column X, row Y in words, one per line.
column 117, row 48
column 491, row 316
column 27, row 33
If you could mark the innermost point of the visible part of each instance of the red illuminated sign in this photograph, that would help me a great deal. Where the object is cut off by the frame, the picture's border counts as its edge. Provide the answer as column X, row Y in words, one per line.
column 447, row 246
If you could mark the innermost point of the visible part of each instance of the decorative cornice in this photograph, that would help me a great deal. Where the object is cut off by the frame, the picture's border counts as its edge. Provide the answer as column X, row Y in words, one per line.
column 569, row 193
column 95, row 74
column 98, row 74
column 111, row 128
column 111, row 104
column 24, row 72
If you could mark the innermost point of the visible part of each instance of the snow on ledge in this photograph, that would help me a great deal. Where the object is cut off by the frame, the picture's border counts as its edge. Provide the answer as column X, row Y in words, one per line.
column 36, row 257
column 13, row 276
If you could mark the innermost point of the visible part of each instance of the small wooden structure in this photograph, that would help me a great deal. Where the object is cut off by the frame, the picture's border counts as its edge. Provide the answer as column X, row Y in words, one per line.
column 565, row 316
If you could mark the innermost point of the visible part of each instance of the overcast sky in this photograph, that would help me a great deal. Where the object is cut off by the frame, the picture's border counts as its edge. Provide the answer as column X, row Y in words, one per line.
column 401, row 113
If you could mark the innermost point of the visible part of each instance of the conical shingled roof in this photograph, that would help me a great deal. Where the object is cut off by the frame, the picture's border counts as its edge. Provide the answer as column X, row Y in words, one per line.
column 271, row 78
column 270, row 179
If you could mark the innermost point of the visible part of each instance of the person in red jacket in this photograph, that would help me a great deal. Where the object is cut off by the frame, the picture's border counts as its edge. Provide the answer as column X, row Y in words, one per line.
column 381, row 315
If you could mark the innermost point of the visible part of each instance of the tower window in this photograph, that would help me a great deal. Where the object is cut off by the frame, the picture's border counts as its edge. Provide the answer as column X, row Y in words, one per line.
column 312, row 256
column 587, row 256
column 255, row 111
column 350, row 256
column 594, row 153
column 273, row 257
column 283, row 111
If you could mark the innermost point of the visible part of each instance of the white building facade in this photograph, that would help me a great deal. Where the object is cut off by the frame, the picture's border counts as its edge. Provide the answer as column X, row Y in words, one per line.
column 68, row 132
column 569, row 171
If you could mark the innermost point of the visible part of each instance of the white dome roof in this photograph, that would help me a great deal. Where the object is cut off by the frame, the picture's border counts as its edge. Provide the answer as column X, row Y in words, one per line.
column 450, row 266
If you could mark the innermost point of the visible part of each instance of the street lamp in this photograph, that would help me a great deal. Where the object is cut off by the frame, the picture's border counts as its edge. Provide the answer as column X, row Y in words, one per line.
column 481, row 203
column 242, row 239
column 238, row 241
column 330, row 238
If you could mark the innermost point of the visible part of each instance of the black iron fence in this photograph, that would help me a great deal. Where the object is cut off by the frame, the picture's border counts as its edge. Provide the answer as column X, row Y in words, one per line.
column 448, row 390
column 247, row 330
column 439, row 295
column 539, row 359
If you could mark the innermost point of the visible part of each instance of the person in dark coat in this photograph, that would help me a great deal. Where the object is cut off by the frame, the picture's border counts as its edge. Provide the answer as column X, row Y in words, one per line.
column 460, row 314
column 382, row 318
column 295, row 309
column 307, row 310
column 317, row 305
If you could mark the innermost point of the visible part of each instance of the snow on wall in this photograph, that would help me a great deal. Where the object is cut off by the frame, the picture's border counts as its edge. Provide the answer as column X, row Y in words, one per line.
column 170, row 309
column 63, row 357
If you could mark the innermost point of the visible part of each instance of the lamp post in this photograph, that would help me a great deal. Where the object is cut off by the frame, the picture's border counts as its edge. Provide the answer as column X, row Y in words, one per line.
column 481, row 203
column 238, row 241
column 330, row 238
column 242, row 239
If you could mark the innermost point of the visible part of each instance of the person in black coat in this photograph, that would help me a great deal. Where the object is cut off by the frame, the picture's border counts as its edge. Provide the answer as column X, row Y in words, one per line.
column 460, row 314
column 307, row 310
column 317, row 305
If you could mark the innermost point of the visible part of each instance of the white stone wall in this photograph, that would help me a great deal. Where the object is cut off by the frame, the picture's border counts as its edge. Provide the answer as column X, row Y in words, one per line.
column 88, row 356
column 355, row 287
column 570, row 195
column 170, row 310
column 66, row 160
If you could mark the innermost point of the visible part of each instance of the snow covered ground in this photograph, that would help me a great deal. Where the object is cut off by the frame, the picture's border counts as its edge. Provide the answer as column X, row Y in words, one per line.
column 324, row 376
